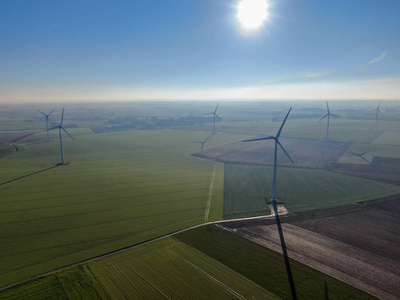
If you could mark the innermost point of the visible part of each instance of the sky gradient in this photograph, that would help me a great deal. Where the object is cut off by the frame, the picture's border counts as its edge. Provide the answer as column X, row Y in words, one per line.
column 197, row 49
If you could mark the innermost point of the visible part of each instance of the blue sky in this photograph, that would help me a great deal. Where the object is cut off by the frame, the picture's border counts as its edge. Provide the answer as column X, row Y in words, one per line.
column 197, row 49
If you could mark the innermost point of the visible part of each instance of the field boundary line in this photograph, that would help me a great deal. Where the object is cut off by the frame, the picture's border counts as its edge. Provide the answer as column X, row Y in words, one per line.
column 208, row 275
column 210, row 194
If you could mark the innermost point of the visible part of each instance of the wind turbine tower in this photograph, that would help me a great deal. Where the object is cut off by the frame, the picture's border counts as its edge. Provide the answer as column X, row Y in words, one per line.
column 61, row 128
column 377, row 113
column 47, row 123
column 278, row 222
column 328, row 114
column 214, row 113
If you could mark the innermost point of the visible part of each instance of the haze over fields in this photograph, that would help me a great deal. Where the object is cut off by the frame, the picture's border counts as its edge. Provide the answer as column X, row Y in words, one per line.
column 123, row 172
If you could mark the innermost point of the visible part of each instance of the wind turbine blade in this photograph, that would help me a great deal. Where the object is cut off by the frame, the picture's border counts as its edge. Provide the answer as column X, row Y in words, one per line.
column 67, row 132
column 42, row 113
column 287, row 154
column 260, row 139
column 62, row 117
column 335, row 116
column 215, row 111
column 51, row 112
column 283, row 123
column 379, row 105
column 217, row 116
column 54, row 127
column 327, row 106
column 322, row 118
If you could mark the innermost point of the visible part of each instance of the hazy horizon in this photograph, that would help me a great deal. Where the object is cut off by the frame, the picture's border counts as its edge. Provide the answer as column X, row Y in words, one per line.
column 178, row 50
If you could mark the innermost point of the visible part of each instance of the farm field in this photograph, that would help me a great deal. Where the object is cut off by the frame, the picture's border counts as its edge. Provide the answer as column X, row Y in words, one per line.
column 140, row 273
column 334, row 242
column 266, row 267
column 199, row 263
column 171, row 269
column 341, row 130
column 118, row 189
column 305, row 153
column 246, row 187
column 5, row 150
column 388, row 138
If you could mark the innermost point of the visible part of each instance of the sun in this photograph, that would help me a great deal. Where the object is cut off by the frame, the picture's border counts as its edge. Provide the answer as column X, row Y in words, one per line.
column 252, row 13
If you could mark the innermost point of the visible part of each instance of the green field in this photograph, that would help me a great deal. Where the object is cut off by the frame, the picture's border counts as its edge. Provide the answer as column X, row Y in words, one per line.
column 159, row 270
column 194, row 265
column 246, row 187
column 266, row 267
column 118, row 189
column 388, row 138
column 356, row 131
column 6, row 150
column 125, row 187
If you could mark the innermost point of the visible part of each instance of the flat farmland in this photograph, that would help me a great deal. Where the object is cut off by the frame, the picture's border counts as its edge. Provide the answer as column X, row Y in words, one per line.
column 388, row 138
column 6, row 150
column 118, row 189
column 335, row 242
column 305, row 153
column 163, row 269
column 265, row 266
column 171, row 269
column 246, row 187
column 343, row 130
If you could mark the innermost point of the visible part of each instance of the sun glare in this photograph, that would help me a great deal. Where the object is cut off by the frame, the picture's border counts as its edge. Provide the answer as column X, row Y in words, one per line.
column 252, row 13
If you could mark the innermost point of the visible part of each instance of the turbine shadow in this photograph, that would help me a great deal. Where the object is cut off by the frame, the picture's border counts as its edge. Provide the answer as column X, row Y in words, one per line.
column 205, row 141
column 31, row 174
column 284, row 251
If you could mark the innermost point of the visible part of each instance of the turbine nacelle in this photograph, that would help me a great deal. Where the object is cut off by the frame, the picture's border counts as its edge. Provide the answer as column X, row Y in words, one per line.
column 276, row 137
column 328, row 114
column 61, row 128
column 214, row 113
column 47, row 122
column 377, row 113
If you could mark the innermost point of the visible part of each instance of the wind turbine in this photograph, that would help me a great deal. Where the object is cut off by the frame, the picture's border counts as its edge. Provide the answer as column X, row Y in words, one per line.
column 214, row 113
column 47, row 122
column 278, row 222
column 61, row 128
column 377, row 113
column 328, row 115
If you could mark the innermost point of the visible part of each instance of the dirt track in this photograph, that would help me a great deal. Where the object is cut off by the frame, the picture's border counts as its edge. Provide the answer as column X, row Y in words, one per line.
column 358, row 246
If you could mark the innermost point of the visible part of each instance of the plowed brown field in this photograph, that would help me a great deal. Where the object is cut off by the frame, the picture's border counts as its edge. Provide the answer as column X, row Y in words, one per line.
column 358, row 244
